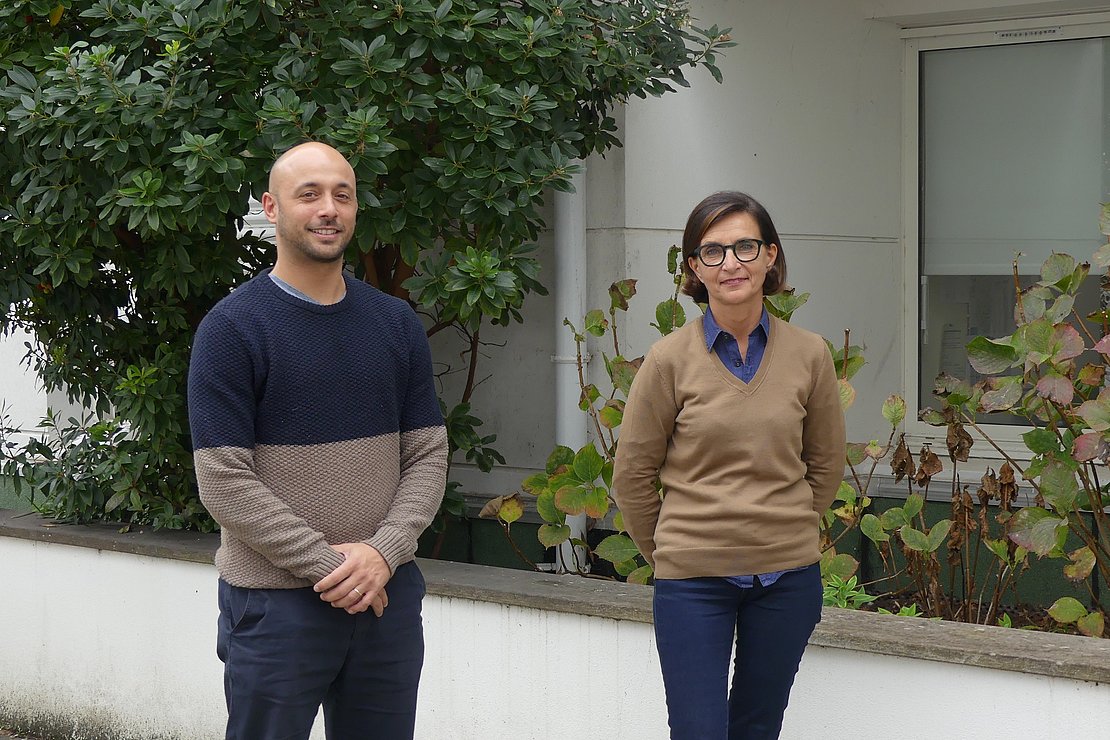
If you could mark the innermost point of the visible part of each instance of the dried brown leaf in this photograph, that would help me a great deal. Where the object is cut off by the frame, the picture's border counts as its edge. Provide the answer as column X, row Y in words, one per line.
column 901, row 464
column 1007, row 487
column 959, row 442
column 928, row 465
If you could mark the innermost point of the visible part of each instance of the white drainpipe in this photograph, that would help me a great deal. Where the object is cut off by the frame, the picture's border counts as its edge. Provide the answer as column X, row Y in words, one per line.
column 570, row 303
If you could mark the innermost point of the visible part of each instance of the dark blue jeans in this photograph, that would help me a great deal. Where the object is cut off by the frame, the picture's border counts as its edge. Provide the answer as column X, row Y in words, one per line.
column 286, row 652
column 696, row 621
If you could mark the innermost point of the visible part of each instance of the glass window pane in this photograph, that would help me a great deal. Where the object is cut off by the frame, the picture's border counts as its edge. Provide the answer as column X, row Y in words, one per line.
column 1014, row 143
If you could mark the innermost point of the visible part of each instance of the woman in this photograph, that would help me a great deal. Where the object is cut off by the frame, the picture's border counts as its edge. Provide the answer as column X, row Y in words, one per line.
column 738, row 416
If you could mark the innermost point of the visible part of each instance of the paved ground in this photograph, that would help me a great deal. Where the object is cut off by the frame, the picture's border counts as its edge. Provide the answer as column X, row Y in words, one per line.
column 10, row 734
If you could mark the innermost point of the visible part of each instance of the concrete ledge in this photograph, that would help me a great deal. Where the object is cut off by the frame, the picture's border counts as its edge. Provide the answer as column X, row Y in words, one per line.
column 193, row 547
column 1001, row 648
column 1039, row 653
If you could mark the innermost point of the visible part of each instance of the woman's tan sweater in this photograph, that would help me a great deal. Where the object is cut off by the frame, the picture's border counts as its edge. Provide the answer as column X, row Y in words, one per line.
column 747, row 469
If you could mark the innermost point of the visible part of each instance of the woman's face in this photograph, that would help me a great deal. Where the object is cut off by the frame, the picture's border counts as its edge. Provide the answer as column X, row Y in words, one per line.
column 734, row 283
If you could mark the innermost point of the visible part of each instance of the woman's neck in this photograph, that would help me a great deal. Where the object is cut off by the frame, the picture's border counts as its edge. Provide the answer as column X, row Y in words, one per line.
column 738, row 320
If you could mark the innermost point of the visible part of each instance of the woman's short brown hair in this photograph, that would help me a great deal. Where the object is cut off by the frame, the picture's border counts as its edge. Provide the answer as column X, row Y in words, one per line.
column 710, row 211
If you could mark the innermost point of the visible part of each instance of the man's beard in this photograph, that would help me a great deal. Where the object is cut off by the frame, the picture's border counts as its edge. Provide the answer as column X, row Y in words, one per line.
column 302, row 244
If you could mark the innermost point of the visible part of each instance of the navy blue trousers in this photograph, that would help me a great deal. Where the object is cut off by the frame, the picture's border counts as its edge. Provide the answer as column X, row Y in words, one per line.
column 697, row 621
column 286, row 652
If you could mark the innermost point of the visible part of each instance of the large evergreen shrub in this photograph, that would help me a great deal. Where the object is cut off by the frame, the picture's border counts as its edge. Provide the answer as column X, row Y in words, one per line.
column 134, row 134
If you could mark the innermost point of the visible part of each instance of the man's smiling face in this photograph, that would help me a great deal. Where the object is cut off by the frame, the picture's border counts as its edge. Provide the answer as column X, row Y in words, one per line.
column 312, row 203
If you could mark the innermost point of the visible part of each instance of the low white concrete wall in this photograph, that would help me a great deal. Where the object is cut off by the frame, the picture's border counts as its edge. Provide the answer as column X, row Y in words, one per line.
column 101, row 644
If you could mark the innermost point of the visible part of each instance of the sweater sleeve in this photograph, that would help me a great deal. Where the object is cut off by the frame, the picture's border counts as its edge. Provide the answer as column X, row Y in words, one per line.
column 649, row 418
column 423, row 476
column 823, row 435
column 222, row 410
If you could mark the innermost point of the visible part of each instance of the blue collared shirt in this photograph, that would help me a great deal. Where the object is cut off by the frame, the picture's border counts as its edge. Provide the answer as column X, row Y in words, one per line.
column 728, row 349
column 725, row 346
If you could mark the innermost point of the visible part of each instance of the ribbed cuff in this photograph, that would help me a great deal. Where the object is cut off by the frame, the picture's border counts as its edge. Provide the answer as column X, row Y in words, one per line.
column 393, row 546
column 330, row 559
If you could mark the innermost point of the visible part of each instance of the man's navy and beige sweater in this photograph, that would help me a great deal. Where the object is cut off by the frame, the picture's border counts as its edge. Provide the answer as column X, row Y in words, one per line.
column 313, row 425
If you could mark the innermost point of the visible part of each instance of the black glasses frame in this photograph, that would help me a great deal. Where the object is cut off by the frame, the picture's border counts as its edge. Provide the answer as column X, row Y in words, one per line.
column 735, row 246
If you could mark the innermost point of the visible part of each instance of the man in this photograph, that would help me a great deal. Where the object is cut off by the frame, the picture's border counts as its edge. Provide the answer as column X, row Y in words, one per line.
column 321, row 451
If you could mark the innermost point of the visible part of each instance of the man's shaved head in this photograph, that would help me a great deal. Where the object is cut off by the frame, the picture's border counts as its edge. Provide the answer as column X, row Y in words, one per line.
column 289, row 159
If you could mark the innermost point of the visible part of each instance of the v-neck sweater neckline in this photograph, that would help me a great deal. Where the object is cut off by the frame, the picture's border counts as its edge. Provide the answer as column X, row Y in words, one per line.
column 736, row 383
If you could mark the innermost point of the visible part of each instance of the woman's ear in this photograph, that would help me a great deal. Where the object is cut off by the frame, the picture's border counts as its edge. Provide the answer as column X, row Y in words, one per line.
column 692, row 263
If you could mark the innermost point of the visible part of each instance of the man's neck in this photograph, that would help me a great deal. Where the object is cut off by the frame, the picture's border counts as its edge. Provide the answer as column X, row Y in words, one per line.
column 321, row 281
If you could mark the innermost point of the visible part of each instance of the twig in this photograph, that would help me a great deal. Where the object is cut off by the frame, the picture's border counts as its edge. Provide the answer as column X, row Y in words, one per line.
column 1083, row 326
column 847, row 332
column 1013, row 463
column 468, row 389
column 512, row 543
column 1017, row 291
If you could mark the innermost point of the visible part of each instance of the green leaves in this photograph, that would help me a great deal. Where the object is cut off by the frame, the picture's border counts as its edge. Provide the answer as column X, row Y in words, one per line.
column 925, row 542
column 611, row 414
column 596, row 323
column 569, row 486
column 1061, row 271
column 894, row 410
column 669, row 315
column 1068, row 610
column 463, row 436
column 617, row 548
column 1081, row 566
column 1059, row 487
column 1041, row 441
column 588, row 464
column 1038, row 530
column 623, row 373
column 1056, row 269
column 840, row 565
column 620, row 292
column 1004, row 394
column 1096, row 413
column 553, row 535
column 846, row 360
column 990, row 356
column 784, row 304
column 844, row 593
column 872, row 528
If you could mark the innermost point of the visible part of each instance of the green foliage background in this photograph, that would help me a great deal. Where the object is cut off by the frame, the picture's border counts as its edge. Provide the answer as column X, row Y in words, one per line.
column 135, row 133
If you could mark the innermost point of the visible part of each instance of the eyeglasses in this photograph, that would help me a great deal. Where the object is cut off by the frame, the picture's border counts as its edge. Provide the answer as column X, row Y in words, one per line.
column 744, row 250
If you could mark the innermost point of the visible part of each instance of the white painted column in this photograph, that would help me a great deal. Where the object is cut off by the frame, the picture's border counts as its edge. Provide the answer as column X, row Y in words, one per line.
column 570, row 303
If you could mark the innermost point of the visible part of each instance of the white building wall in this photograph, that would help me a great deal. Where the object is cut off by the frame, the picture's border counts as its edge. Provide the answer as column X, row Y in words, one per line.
column 807, row 121
column 123, row 646
column 22, row 398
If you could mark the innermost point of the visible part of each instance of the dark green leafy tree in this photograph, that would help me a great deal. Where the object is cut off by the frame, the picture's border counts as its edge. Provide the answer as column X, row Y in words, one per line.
column 135, row 133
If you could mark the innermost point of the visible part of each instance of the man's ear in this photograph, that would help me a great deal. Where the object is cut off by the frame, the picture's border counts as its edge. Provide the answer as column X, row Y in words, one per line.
column 270, row 207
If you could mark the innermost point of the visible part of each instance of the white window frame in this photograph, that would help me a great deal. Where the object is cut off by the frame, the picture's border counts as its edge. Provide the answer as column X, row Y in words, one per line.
column 916, row 41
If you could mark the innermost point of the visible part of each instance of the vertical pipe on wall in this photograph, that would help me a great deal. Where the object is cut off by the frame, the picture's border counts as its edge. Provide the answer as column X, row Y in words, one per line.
column 570, row 303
